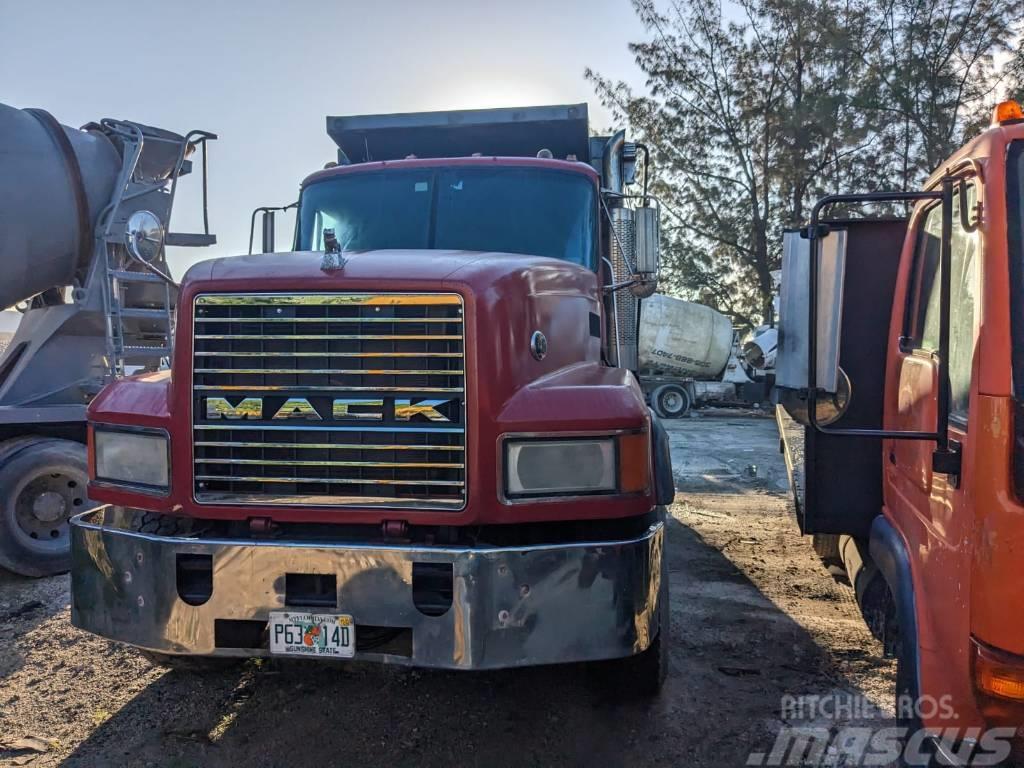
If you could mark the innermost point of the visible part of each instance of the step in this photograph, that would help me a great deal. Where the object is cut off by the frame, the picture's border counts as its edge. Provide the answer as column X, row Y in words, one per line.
column 147, row 352
column 136, row 277
column 144, row 314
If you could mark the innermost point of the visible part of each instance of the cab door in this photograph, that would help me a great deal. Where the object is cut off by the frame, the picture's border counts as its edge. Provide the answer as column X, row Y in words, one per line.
column 933, row 510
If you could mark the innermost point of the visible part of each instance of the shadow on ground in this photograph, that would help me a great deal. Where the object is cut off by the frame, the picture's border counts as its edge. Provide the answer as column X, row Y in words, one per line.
column 734, row 655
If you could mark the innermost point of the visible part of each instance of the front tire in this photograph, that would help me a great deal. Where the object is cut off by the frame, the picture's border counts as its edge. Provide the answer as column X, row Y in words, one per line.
column 643, row 675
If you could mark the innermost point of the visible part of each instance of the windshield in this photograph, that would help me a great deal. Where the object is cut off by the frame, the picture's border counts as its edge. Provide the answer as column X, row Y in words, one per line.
column 510, row 209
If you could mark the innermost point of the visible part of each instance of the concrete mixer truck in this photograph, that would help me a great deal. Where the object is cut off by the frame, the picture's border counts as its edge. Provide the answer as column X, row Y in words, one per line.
column 689, row 354
column 83, row 225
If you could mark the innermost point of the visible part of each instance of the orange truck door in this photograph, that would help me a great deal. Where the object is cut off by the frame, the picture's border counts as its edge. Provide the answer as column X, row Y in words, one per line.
column 932, row 510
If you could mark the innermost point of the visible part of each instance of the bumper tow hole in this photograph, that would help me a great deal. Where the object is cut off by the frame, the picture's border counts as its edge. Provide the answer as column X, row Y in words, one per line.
column 432, row 588
column 194, row 578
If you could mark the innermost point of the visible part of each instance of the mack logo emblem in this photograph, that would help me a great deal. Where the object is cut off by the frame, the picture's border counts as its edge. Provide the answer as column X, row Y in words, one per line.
column 342, row 409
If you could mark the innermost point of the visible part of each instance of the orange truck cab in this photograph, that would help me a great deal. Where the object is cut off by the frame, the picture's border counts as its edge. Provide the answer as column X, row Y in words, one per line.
column 901, row 381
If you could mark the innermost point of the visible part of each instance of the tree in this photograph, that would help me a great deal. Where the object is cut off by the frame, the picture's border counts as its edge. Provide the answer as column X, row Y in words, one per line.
column 755, row 109
column 933, row 78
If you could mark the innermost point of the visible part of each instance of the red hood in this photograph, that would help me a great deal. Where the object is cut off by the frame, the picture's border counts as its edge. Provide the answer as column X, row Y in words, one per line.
column 475, row 269
column 508, row 297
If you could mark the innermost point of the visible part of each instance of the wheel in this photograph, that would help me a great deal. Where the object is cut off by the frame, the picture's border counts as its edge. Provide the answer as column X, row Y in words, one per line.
column 671, row 401
column 642, row 676
column 826, row 545
column 43, row 483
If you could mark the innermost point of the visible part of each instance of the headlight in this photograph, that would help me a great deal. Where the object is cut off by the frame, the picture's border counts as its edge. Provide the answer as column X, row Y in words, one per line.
column 552, row 467
column 132, row 458
column 577, row 466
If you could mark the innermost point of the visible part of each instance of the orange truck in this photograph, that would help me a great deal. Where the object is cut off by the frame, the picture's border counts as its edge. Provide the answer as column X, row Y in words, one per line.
column 901, row 380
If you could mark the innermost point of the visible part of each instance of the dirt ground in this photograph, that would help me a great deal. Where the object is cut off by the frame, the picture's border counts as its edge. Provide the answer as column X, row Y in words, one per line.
column 755, row 617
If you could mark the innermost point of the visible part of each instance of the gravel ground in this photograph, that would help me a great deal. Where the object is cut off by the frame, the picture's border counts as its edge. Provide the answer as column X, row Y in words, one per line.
column 755, row 617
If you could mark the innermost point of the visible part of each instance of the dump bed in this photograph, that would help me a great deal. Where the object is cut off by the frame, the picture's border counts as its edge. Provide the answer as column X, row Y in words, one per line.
column 507, row 132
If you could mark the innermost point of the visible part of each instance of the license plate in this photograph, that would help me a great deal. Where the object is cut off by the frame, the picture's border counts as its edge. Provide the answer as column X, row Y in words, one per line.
column 312, row 634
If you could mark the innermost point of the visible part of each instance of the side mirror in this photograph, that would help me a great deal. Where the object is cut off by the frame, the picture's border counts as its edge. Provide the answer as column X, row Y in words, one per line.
column 268, row 231
column 267, row 224
column 647, row 250
column 791, row 368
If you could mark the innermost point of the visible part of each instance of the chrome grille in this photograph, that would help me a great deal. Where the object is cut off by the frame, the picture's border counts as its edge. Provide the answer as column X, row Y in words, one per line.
column 329, row 399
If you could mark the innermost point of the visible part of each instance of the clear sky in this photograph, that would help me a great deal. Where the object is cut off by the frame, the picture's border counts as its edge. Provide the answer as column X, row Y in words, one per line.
column 263, row 75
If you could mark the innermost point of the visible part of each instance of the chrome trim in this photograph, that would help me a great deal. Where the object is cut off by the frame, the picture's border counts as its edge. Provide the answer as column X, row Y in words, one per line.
column 301, row 463
column 512, row 606
column 327, row 354
column 417, row 320
column 305, row 428
column 324, row 337
column 333, row 446
column 328, row 299
column 289, row 387
column 214, row 353
column 449, row 503
column 341, row 371
column 335, row 481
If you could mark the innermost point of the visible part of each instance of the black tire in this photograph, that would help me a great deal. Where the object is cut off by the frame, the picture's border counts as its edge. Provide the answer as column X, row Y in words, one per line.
column 642, row 676
column 826, row 545
column 671, row 401
column 160, row 525
column 13, row 445
column 43, row 483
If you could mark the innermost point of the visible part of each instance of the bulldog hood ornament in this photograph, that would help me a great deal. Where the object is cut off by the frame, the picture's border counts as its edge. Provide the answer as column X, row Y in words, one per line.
column 333, row 259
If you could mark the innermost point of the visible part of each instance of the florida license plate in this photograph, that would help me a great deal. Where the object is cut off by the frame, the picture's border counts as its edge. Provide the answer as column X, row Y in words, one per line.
column 312, row 634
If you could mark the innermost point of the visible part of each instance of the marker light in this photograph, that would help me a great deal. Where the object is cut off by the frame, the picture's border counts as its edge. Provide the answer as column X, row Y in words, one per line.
column 1007, row 112
column 998, row 673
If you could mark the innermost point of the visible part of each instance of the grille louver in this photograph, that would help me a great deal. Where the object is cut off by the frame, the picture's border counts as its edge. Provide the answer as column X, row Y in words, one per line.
column 329, row 400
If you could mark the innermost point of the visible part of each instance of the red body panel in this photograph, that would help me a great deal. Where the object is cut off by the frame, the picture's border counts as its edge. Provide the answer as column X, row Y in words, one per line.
column 447, row 162
column 507, row 297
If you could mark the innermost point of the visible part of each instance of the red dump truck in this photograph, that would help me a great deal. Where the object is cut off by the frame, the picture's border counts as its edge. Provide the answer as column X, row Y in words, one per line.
column 901, row 348
column 414, row 438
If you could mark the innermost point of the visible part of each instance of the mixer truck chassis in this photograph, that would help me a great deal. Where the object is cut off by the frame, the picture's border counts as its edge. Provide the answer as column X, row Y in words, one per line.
column 85, row 213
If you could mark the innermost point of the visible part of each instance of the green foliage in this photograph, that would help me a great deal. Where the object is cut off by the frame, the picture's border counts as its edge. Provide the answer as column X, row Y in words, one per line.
column 754, row 110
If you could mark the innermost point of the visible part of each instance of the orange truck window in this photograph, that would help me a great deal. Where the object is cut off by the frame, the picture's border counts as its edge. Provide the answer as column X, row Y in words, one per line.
column 923, row 323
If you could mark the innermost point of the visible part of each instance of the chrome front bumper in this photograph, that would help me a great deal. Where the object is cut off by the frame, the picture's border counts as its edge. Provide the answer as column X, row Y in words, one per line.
column 514, row 606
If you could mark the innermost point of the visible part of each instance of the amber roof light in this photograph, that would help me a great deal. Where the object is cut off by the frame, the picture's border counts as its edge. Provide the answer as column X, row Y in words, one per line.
column 1007, row 112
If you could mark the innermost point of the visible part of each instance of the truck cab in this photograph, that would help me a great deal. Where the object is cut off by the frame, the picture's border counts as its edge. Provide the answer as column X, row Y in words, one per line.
column 900, row 353
column 410, row 439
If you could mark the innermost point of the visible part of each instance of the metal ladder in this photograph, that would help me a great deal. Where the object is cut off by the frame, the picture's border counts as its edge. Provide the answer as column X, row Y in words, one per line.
column 141, row 333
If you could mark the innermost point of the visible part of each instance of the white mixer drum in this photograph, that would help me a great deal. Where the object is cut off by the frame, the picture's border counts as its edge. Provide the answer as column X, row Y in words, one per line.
column 683, row 338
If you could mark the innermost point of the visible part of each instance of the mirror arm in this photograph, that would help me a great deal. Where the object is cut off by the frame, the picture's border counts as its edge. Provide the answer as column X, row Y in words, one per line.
column 265, row 209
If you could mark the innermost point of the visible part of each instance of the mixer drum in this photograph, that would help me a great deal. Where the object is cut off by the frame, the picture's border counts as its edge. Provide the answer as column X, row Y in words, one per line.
column 47, row 210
